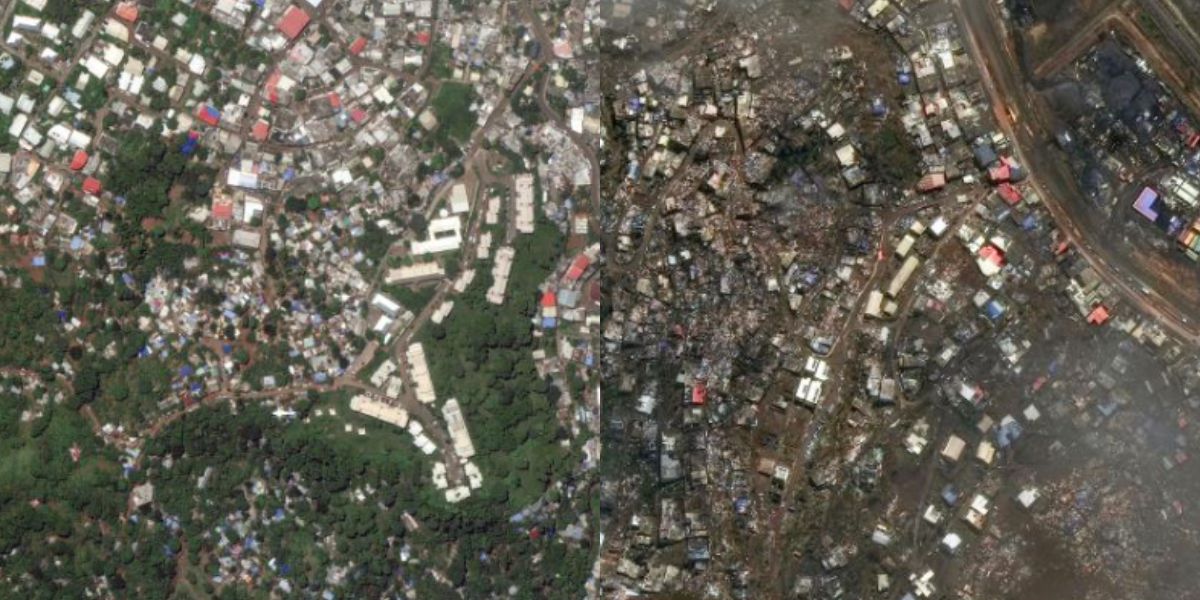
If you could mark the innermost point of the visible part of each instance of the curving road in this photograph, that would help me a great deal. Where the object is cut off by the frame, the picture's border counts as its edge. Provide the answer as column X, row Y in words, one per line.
column 1154, row 292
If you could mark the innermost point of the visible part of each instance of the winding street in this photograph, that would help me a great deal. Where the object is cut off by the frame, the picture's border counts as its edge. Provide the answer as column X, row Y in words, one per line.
column 1154, row 292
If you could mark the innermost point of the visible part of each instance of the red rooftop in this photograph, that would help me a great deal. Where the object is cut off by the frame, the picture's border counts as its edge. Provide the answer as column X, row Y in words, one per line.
column 293, row 22
column 91, row 185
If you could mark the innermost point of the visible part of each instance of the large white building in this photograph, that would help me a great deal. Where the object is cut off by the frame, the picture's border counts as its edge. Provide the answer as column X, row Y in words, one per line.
column 457, row 425
column 460, row 202
column 500, row 271
column 419, row 369
column 393, row 415
column 444, row 235
column 414, row 272
column 524, row 201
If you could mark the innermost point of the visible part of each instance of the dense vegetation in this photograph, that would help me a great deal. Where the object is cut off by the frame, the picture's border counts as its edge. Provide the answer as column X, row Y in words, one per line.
column 50, row 505
column 452, row 107
column 289, row 491
column 483, row 357
column 890, row 152
column 146, row 169
column 320, row 499
column 29, row 328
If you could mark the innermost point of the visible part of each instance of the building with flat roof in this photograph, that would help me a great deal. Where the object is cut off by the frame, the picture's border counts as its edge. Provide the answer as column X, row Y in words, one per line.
column 415, row 272
column 444, row 234
column 293, row 22
column 247, row 238
column 419, row 369
column 374, row 408
column 456, row 423
column 523, row 185
column 901, row 278
column 460, row 202
column 1146, row 204
column 389, row 307
column 500, row 271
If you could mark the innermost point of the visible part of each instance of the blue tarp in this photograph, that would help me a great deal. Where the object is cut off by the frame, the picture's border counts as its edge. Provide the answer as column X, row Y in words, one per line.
column 741, row 505
column 994, row 310
column 1008, row 433
column 189, row 144
column 878, row 108
column 950, row 495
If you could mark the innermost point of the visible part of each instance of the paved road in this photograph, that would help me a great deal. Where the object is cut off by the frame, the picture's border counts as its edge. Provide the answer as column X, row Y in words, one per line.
column 1081, row 40
column 1184, row 38
column 529, row 13
column 1052, row 178
column 830, row 417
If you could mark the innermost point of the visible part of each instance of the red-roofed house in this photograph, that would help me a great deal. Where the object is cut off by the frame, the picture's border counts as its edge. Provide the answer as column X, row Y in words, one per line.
column 260, row 130
column 208, row 115
column 359, row 115
column 931, row 182
column 423, row 38
column 293, row 22
column 578, row 266
column 222, row 213
column 562, row 49
column 335, row 101
column 1098, row 316
column 992, row 255
column 79, row 161
column 1010, row 194
column 699, row 393
column 357, row 46
column 549, row 300
column 127, row 11
column 990, row 261
column 92, row 186
column 999, row 173
column 272, row 85
column 593, row 292
column 222, row 210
